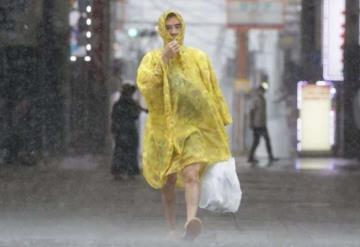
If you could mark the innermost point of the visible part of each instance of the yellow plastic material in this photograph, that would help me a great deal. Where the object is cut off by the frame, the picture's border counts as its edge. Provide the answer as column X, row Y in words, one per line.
column 187, row 111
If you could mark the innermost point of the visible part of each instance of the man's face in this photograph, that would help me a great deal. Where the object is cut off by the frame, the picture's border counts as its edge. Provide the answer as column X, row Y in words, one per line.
column 173, row 26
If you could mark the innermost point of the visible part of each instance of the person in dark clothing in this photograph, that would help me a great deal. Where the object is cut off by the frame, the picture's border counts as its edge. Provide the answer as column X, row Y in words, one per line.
column 258, row 125
column 125, row 112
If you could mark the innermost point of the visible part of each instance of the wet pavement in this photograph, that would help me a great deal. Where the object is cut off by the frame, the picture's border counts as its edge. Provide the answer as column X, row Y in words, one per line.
column 75, row 202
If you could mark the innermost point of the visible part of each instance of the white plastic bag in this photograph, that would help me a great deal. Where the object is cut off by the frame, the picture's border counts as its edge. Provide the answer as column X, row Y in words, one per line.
column 221, row 190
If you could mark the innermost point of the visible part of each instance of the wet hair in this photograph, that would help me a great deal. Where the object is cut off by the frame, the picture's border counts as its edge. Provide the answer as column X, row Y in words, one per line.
column 128, row 89
column 171, row 14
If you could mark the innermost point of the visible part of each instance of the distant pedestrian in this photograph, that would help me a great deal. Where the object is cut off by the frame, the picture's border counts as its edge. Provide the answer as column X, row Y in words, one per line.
column 185, row 131
column 124, row 114
column 258, row 118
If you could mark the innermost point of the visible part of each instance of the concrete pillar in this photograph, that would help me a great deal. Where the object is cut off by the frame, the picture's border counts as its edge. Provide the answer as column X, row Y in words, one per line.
column 239, row 101
column 88, row 106
column 350, row 141
column 310, row 40
column 54, row 45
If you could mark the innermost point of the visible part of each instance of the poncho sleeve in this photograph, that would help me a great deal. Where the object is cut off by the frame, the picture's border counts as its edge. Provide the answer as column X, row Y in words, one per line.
column 150, row 74
column 219, row 98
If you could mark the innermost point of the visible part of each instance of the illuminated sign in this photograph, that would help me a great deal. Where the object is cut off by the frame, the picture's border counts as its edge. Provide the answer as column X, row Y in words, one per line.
column 80, row 29
column 333, row 39
column 316, row 123
column 256, row 13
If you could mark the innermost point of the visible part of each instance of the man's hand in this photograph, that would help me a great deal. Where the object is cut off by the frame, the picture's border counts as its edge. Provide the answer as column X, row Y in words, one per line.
column 170, row 51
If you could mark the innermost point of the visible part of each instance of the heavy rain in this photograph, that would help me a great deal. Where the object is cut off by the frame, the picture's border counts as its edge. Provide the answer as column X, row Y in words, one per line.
column 111, row 109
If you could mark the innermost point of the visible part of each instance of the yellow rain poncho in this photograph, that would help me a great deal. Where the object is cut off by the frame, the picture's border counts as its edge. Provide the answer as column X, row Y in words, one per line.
column 187, row 111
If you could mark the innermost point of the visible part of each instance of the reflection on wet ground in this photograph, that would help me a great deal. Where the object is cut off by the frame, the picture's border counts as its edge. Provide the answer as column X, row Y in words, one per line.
column 307, row 164
column 305, row 202
column 326, row 164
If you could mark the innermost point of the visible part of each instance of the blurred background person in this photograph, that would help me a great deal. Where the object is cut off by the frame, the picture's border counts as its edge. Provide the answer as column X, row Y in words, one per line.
column 124, row 114
column 258, row 118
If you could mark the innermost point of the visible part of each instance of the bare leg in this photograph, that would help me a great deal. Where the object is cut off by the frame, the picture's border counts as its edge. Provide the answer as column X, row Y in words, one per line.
column 169, row 201
column 192, row 190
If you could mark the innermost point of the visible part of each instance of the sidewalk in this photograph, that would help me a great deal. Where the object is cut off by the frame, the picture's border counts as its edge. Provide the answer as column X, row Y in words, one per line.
column 59, row 205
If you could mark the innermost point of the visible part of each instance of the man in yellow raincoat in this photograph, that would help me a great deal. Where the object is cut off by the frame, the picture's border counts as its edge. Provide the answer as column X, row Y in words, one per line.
column 185, row 131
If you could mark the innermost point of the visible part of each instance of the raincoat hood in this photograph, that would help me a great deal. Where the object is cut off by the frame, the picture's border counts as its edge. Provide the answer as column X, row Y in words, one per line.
column 165, row 34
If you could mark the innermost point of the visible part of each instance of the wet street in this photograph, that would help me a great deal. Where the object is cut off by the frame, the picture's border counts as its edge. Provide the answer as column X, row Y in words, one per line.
column 75, row 202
